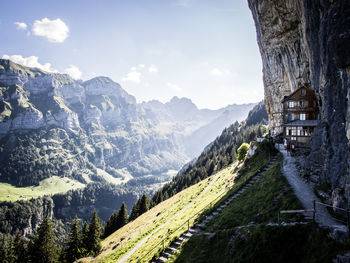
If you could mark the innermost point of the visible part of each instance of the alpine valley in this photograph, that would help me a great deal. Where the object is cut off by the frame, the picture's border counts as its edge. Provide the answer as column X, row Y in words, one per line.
column 68, row 147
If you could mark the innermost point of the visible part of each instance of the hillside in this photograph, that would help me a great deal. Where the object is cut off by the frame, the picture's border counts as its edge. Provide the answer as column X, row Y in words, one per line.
column 240, row 212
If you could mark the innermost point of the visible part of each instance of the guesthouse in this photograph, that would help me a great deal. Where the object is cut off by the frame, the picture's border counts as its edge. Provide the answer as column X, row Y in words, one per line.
column 300, row 116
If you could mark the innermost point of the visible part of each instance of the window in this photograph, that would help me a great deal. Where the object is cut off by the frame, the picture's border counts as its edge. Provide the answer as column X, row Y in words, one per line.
column 303, row 92
column 293, row 138
column 302, row 104
column 300, row 131
column 294, row 131
column 302, row 117
column 290, row 116
column 291, row 104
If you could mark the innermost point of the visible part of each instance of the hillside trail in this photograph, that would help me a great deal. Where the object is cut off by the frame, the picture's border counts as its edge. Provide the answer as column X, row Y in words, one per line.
column 305, row 193
column 143, row 241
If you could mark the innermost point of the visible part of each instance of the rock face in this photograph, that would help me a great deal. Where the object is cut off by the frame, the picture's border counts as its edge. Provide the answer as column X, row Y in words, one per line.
column 51, row 125
column 306, row 42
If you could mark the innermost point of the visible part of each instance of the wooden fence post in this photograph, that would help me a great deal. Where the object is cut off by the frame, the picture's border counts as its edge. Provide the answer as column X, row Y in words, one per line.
column 314, row 213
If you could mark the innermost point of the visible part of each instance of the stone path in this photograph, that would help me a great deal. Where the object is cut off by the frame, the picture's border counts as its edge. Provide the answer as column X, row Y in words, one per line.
column 198, row 229
column 305, row 193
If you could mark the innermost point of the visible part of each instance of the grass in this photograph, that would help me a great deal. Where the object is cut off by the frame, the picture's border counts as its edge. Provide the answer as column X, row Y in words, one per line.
column 255, row 241
column 123, row 240
column 49, row 186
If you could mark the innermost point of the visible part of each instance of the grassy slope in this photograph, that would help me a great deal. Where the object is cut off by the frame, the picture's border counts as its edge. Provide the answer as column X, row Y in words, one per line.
column 136, row 230
column 260, row 243
column 123, row 240
column 52, row 185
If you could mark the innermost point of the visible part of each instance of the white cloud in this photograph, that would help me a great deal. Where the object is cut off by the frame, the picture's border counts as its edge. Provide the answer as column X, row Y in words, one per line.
column 54, row 30
column 21, row 25
column 133, row 76
column 73, row 71
column 219, row 72
column 141, row 65
column 133, row 69
column 174, row 87
column 153, row 69
column 31, row 61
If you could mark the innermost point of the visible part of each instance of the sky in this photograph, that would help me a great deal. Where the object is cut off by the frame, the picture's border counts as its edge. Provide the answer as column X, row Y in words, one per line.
column 204, row 50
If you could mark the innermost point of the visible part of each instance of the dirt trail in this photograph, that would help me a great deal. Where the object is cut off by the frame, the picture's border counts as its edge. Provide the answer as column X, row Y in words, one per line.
column 305, row 193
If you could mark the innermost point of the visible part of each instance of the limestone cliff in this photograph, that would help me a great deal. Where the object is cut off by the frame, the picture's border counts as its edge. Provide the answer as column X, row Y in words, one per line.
column 306, row 42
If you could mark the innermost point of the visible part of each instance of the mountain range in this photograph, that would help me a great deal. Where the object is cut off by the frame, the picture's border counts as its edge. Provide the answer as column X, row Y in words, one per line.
column 52, row 125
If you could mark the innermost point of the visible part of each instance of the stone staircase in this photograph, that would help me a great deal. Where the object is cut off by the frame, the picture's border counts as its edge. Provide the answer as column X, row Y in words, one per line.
column 198, row 229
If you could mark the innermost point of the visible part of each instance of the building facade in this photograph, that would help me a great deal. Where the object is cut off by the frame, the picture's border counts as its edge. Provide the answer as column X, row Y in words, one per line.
column 300, row 115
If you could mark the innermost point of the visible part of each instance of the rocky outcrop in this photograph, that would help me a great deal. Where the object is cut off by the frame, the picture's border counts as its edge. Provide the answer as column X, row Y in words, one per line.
column 306, row 42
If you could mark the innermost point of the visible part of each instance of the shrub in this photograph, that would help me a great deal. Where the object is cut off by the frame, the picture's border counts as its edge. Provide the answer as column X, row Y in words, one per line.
column 242, row 151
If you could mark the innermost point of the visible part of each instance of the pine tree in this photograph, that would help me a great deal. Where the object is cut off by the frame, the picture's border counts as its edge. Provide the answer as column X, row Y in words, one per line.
column 135, row 211
column 3, row 248
column 43, row 248
column 94, row 236
column 144, row 204
column 20, row 248
column 74, row 248
column 85, row 239
column 110, row 225
column 122, row 217
column 11, row 253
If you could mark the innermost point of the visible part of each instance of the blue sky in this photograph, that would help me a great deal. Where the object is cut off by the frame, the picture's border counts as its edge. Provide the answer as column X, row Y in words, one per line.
column 201, row 49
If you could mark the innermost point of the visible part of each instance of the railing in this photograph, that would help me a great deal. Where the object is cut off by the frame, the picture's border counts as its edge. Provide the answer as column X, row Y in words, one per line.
column 314, row 210
column 162, row 242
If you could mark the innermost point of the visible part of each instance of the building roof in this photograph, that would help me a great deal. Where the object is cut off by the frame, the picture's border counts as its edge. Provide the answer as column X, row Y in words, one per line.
column 290, row 96
column 310, row 123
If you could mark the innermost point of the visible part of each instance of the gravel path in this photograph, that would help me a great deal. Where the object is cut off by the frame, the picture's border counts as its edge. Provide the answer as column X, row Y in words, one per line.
column 305, row 193
column 143, row 241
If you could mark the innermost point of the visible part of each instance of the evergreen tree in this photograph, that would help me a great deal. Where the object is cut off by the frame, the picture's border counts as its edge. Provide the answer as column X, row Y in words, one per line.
column 74, row 248
column 110, row 225
column 43, row 248
column 11, row 253
column 3, row 248
column 122, row 217
column 94, row 236
column 144, row 204
column 20, row 248
column 85, row 239
column 135, row 211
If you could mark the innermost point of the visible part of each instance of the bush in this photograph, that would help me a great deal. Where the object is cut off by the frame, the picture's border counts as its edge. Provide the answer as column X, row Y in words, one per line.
column 242, row 151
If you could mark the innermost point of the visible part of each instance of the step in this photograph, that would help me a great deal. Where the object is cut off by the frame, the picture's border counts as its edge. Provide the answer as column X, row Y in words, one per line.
column 194, row 230
column 162, row 259
column 202, row 225
column 173, row 248
column 219, row 209
column 215, row 213
column 208, row 217
column 177, row 243
column 188, row 234
column 167, row 254
column 180, row 239
column 170, row 251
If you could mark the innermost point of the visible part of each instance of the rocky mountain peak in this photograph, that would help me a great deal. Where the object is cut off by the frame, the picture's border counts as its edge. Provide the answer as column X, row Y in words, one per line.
column 106, row 86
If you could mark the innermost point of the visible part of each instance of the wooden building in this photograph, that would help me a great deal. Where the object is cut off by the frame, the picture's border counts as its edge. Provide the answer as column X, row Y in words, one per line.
column 300, row 115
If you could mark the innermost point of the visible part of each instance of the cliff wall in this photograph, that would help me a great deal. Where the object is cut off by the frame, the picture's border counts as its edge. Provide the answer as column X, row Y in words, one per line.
column 306, row 42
